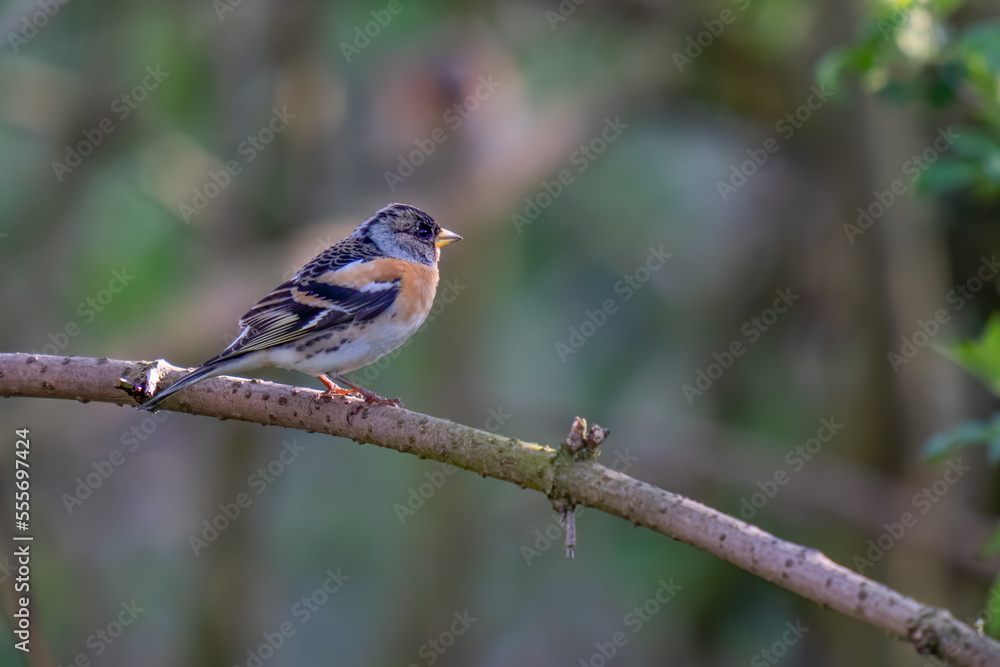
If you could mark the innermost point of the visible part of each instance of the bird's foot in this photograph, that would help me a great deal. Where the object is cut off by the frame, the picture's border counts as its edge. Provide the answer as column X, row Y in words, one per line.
column 371, row 398
column 367, row 396
column 333, row 389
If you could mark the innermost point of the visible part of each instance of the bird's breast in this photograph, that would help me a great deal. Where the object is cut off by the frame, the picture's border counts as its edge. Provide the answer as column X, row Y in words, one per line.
column 416, row 293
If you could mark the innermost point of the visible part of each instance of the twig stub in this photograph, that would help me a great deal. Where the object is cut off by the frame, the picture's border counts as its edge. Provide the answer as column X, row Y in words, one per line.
column 567, row 518
column 583, row 443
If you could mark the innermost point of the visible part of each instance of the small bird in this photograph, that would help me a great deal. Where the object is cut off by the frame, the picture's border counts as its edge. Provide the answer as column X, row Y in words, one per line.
column 347, row 307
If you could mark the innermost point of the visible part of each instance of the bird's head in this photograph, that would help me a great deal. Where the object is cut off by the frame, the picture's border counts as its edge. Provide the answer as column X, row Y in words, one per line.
column 408, row 233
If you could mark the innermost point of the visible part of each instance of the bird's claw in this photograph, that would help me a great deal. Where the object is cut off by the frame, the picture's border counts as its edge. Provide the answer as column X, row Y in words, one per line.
column 328, row 395
column 391, row 402
column 372, row 399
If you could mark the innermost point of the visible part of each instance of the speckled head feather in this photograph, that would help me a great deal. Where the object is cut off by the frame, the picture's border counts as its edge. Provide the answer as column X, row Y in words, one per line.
column 404, row 232
column 398, row 230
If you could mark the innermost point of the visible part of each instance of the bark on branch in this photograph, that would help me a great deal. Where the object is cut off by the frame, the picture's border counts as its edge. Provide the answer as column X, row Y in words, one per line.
column 565, row 476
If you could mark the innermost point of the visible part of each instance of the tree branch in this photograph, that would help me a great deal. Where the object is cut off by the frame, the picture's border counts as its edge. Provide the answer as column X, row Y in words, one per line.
column 565, row 476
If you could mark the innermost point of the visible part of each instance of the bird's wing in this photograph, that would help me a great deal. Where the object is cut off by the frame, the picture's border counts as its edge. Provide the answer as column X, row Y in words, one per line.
column 309, row 304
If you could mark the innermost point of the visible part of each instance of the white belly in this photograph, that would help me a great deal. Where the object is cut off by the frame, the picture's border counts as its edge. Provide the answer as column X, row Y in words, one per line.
column 334, row 354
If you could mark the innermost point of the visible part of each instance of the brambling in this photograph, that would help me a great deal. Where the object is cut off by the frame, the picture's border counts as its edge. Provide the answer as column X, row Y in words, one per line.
column 350, row 305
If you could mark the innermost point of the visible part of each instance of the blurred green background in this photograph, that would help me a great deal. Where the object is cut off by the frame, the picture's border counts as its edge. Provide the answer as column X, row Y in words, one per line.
column 822, row 175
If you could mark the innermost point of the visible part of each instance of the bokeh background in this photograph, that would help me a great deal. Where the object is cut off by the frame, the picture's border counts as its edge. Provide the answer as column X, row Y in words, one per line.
column 164, row 165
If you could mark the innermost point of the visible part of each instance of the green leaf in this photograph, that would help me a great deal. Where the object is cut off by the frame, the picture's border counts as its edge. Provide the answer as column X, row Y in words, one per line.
column 831, row 69
column 984, row 39
column 993, row 448
column 971, row 142
column 981, row 357
column 993, row 625
column 836, row 64
column 901, row 91
column 961, row 436
column 992, row 548
column 946, row 175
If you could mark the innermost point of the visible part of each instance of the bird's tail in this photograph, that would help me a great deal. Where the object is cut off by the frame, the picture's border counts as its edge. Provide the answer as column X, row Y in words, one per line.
column 207, row 369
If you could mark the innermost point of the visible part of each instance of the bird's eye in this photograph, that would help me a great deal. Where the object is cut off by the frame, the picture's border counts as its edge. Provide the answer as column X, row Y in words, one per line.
column 425, row 232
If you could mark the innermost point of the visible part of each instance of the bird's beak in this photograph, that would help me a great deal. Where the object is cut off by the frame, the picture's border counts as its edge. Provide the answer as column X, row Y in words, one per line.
column 445, row 237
